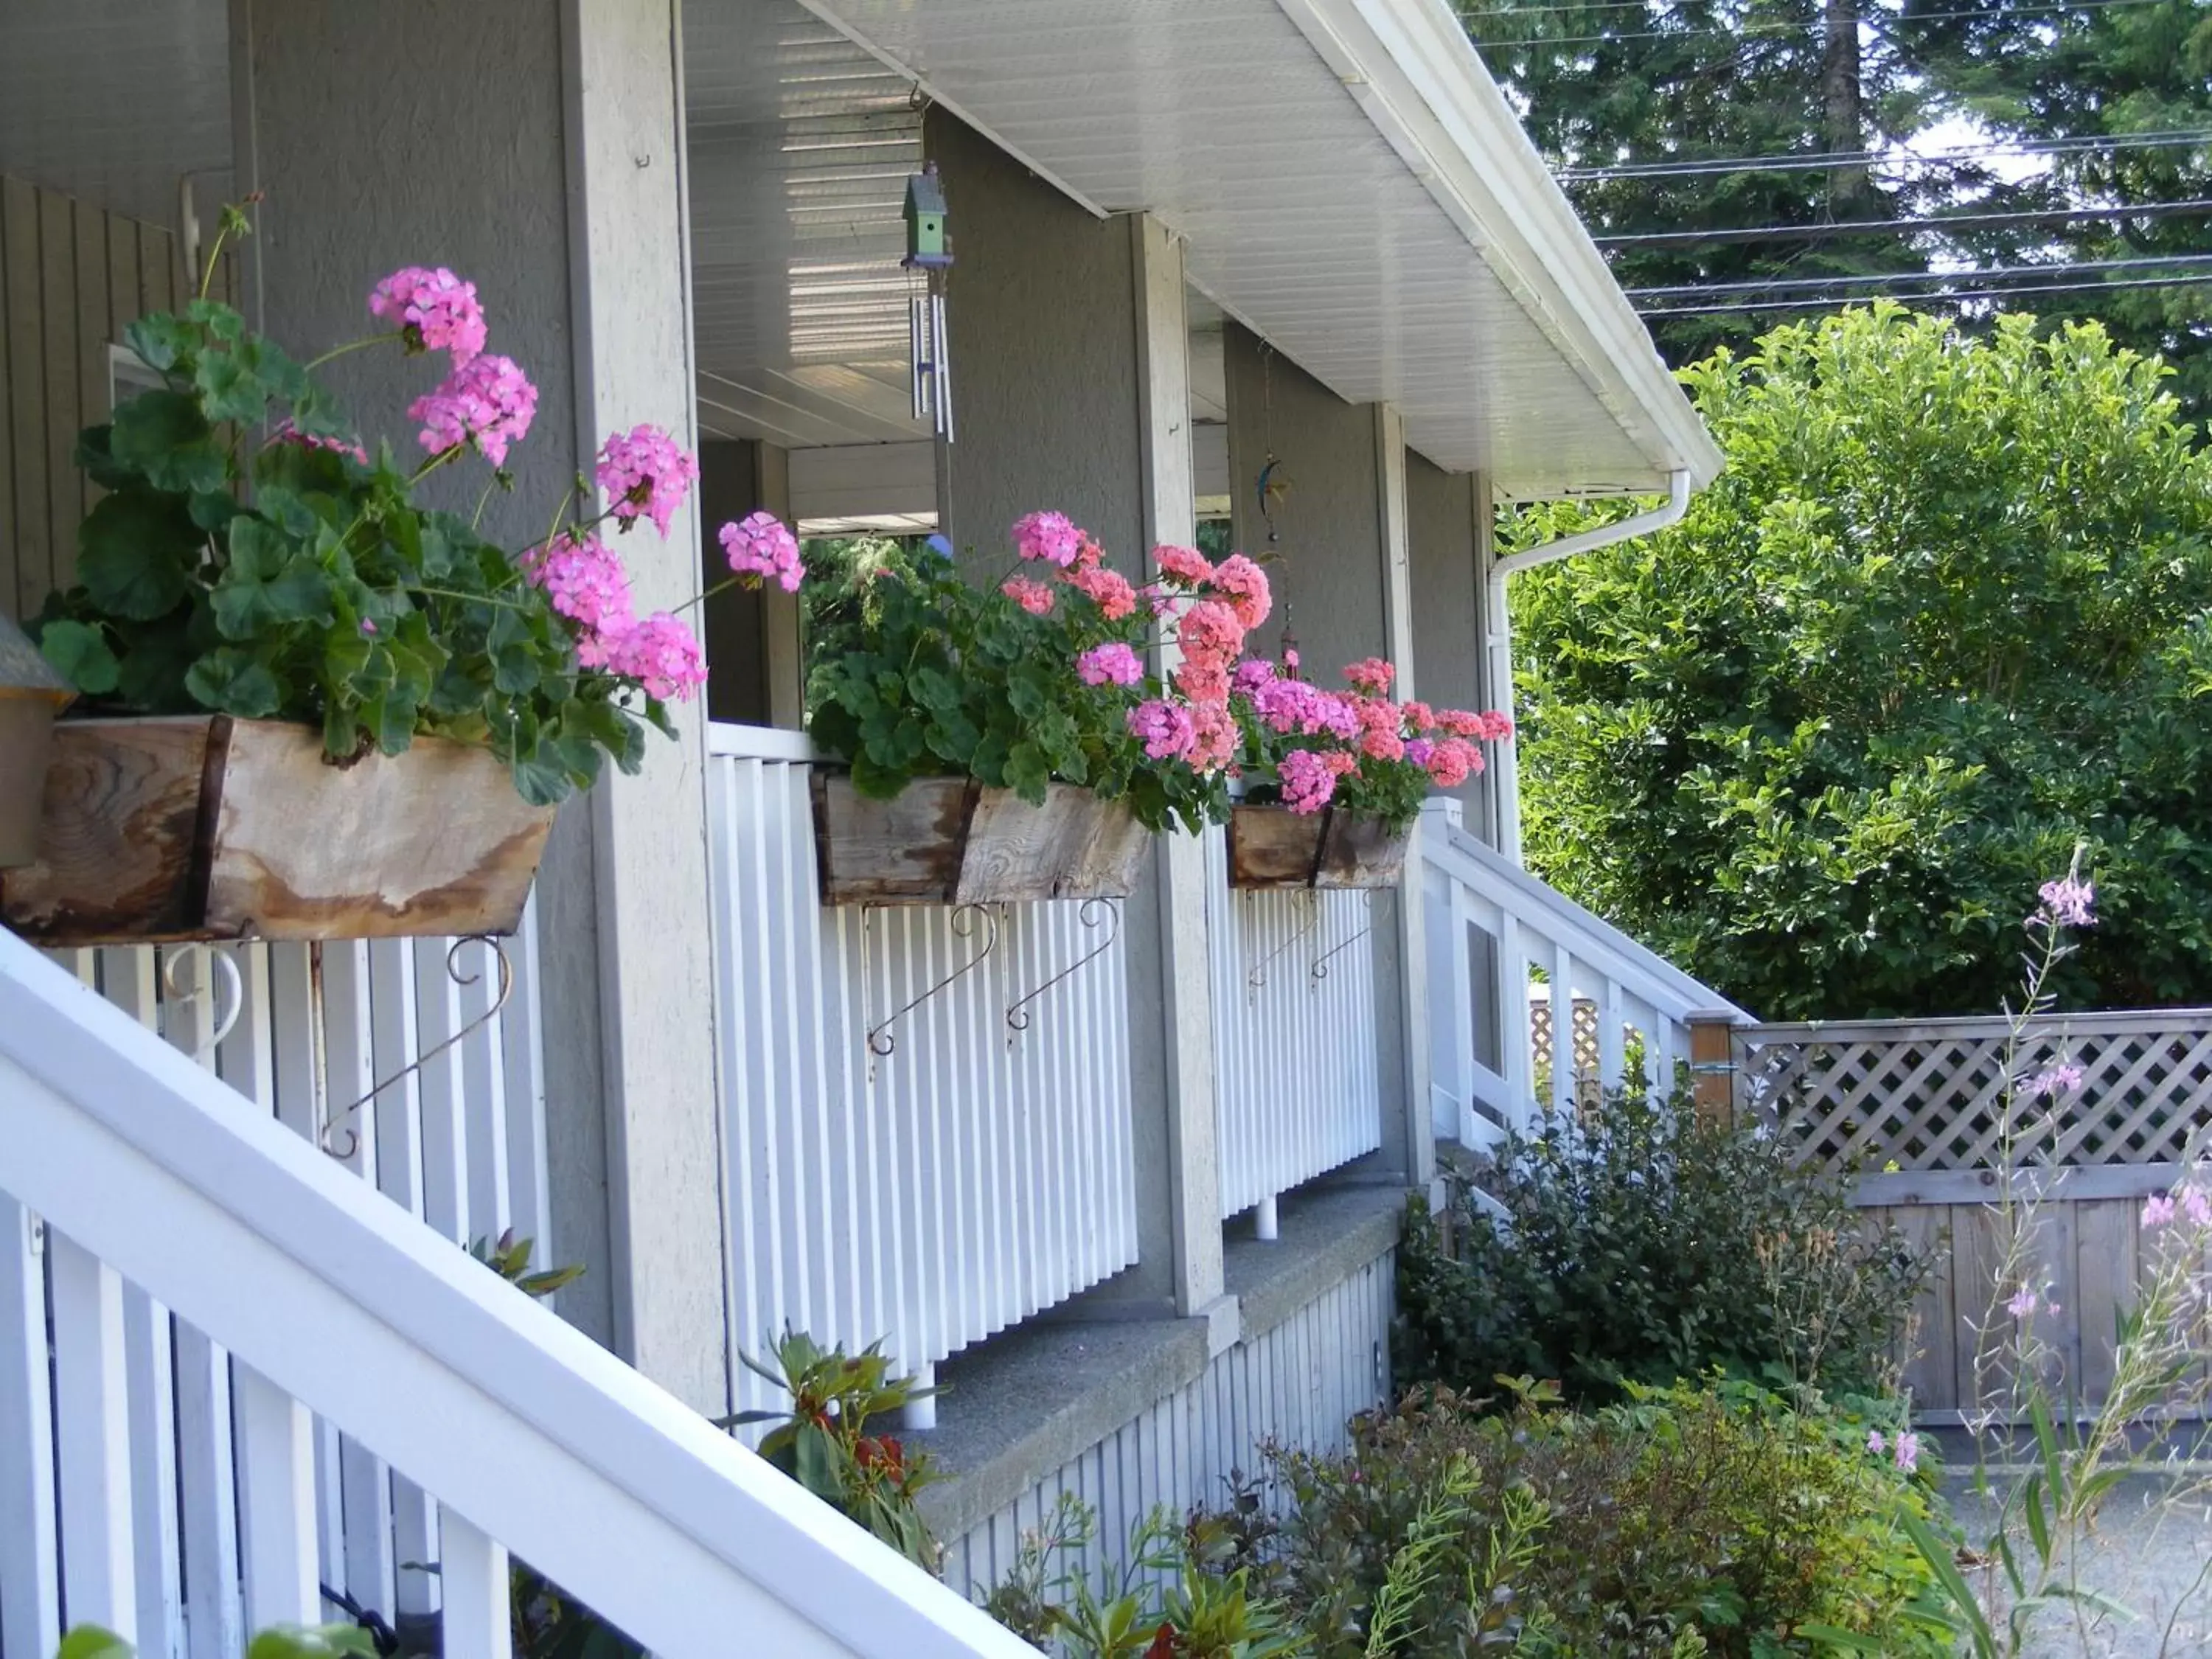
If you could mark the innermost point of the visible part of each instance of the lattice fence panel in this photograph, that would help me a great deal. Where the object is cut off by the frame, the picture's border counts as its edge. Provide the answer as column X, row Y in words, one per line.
column 1922, row 1096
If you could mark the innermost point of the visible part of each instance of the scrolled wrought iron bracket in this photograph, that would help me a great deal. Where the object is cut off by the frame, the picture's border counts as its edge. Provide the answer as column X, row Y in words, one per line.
column 1093, row 913
column 1318, row 971
column 338, row 1123
column 1257, row 978
column 880, row 1042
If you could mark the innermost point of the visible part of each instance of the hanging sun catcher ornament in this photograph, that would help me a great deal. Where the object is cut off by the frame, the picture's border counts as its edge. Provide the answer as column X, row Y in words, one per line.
column 928, row 257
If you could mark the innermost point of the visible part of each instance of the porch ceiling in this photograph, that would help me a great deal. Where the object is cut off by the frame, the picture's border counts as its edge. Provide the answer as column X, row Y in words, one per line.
column 1353, row 187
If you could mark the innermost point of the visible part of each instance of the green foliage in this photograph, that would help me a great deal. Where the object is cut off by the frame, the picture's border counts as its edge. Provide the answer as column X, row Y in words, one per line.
column 916, row 673
column 278, row 1642
column 823, row 1442
column 1949, row 607
column 1175, row 1593
column 289, row 577
column 1638, row 1246
column 1715, row 1519
column 509, row 1257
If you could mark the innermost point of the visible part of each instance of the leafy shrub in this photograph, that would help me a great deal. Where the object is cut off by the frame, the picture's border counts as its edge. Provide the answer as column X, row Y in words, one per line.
column 1642, row 1245
column 1695, row 1520
column 1176, row 1594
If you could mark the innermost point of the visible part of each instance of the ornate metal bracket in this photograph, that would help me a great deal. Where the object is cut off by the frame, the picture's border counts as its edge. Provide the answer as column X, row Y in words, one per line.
column 223, row 976
column 1319, row 969
column 881, row 1042
column 454, row 972
column 1257, row 979
column 1094, row 911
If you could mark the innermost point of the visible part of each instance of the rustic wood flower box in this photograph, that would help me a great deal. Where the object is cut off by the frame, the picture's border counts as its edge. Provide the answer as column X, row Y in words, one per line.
column 950, row 840
column 1272, row 847
column 202, row 827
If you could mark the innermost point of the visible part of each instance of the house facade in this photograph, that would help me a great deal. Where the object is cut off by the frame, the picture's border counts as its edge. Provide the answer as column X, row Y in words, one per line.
column 1123, row 1178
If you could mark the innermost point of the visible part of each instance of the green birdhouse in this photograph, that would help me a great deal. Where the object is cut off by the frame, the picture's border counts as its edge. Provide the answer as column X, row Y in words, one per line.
column 928, row 247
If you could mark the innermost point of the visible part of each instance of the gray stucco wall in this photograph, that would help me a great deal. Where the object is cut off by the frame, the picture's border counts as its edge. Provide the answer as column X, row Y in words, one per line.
column 1327, row 572
column 1041, row 303
column 502, row 222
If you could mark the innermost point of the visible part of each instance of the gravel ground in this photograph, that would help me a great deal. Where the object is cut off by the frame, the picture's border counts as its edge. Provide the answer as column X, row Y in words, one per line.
column 2148, row 1550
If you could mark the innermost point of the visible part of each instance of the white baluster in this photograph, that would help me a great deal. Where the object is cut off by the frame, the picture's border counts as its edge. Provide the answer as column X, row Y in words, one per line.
column 206, row 1475
column 30, row 1612
column 276, row 1503
column 474, row 1572
column 92, row 1429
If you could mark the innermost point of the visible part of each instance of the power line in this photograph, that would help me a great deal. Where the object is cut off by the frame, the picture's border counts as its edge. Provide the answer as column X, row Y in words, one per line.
column 1873, row 227
column 1827, row 162
column 1752, row 30
column 1817, row 304
column 1768, row 285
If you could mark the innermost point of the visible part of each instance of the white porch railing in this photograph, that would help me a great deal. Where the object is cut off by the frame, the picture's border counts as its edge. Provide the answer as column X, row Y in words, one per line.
column 459, row 1142
column 1298, row 1075
column 971, row 1168
column 143, row 1199
column 1489, row 924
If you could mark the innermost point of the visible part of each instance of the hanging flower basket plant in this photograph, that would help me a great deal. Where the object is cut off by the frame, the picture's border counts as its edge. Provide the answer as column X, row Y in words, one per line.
column 1335, row 780
column 1009, row 744
column 314, row 709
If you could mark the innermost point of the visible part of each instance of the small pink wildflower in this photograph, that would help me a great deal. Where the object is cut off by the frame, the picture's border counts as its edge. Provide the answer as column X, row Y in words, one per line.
column 1109, row 590
column 2068, row 903
column 2158, row 1209
column 645, row 475
column 760, row 546
column 1051, row 537
column 1370, row 674
column 1307, row 780
column 2023, row 1303
column 1908, row 1451
column 368, row 626
column 2197, row 1207
column 1111, row 663
column 1244, row 585
column 487, row 401
column 2057, row 1080
column 1186, row 565
column 662, row 655
column 1033, row 597
column 1875, row 1443
column 434, row 310
column 1164, row 728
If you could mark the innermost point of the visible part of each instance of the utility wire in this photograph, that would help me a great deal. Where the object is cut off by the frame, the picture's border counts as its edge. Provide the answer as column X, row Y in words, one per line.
column 1768, row 285
column 1817, row 304
column 1778, row 29
column 1874, row 227
column 1827, row 162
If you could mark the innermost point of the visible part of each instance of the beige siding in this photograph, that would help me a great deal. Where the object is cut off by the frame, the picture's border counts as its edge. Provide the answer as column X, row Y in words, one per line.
column 71, row 278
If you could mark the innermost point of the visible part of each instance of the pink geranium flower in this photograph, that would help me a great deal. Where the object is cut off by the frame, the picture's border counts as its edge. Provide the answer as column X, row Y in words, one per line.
column 1186, row 565
column 433, row 309
column 645, row 475
column 1213, row 736
column 1051, row 537
column 1211, row 633
column 487, row 402
column 760, row 546
column 1307, row 780
column 1244, row 585
column 1370, row 674
column 662, row 655
column 1033, row 597
column 1111, row 663
column 1164, row 728
column 1453, row 762
column 585, row 581
column 1108, row 589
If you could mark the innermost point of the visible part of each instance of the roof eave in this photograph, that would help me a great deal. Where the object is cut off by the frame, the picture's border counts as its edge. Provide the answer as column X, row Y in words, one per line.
column 1410, row 66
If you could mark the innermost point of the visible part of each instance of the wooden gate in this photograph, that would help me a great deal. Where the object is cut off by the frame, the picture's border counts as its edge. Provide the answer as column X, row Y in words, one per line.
column 1918, row 1111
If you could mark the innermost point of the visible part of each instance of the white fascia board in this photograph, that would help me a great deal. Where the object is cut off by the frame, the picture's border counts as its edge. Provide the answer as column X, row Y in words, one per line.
column 1412, row 68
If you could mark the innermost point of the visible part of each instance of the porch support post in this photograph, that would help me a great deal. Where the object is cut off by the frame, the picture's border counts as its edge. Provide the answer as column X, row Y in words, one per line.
column 1181, row 972
column 560, row 194
column 1402, row 996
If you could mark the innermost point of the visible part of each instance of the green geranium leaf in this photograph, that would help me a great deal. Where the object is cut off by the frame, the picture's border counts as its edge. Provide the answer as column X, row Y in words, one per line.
column 312, row 1642
column 236, row 683
column 81, row 655
column 164, row 435
column 218, row 319
column 268, row 582
column 1028, row 771
column 538, row 774
column 161, row 340
column 91, row 1642
column 93, row 455
column 135, row 550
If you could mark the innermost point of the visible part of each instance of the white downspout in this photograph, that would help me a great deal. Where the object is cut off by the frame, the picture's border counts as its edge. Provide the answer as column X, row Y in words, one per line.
column 1499, row 664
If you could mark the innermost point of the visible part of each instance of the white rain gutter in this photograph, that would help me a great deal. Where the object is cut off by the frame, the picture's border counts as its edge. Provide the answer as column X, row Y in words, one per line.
column 1499, row 642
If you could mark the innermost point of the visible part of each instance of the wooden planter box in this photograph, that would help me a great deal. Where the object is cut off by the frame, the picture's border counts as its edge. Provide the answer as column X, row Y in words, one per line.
column 202, row 827
column 1273, row 847
column 950, row 840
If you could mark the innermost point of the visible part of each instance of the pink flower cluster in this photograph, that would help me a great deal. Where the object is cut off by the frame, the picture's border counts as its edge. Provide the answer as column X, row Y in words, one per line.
column 486, row 402
column 663, row 655
column 1905, row 1449
column 761, row 547
column 585, row 581
column 2160, row 1208
column 645, row 475
column 1111, row 663
column 1036, row 598
column 433, row 310
column 1165, row 729
column 2067, row 902
column 1051, row 537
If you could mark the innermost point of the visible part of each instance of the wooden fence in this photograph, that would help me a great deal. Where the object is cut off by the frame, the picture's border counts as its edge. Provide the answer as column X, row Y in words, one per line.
column 1921, row 1111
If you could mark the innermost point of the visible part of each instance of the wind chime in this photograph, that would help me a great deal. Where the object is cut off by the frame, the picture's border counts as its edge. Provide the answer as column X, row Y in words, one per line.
column 928, row 257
